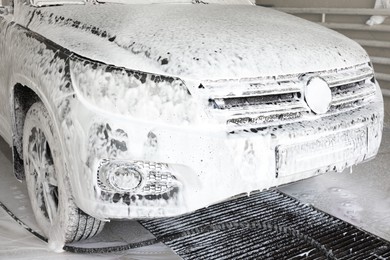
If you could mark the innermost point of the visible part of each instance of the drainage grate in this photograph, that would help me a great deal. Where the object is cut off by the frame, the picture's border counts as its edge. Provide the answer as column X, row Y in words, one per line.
column 342, row 239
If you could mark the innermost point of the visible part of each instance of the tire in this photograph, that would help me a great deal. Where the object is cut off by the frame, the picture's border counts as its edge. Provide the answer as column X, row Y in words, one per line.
column 49, row 190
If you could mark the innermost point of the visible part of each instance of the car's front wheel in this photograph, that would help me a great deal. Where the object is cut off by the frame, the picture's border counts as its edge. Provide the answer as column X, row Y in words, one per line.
column 51, row 200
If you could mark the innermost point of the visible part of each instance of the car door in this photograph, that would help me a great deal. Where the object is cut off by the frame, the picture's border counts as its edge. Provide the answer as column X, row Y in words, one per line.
column 6, row 17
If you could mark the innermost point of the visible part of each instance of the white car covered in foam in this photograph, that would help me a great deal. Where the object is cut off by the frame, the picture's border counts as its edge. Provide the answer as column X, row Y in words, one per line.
column 143, row 109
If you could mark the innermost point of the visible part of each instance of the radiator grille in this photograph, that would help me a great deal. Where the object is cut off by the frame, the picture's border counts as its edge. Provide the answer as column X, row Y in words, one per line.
column 280, row 99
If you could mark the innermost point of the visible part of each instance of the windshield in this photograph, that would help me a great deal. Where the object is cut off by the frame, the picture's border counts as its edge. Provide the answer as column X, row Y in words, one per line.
column 226, row 2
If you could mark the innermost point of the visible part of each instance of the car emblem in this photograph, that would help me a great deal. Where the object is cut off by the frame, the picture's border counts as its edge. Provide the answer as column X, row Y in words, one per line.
column 318, row 95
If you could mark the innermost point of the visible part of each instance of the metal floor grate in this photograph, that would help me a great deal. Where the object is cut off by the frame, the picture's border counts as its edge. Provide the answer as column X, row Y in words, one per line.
column 344, row 240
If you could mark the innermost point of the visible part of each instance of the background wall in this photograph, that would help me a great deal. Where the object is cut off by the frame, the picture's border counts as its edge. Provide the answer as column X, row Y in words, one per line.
column 383, row 36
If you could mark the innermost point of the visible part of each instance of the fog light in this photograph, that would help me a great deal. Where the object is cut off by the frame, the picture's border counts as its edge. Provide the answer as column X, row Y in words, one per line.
column 120, row 176
column 125, row 179
column 138, row 177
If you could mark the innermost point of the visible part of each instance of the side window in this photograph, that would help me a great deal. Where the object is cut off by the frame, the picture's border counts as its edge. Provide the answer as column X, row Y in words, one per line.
column 6, row 7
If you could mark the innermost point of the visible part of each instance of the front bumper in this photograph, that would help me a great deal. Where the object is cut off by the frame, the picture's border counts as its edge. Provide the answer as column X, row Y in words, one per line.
column 213, row 165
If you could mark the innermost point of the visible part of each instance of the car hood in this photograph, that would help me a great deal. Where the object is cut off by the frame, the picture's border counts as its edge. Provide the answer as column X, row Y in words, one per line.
column 202, row 42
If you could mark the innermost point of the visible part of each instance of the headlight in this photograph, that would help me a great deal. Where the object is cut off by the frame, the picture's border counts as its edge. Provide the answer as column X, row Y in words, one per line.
column 133, row 93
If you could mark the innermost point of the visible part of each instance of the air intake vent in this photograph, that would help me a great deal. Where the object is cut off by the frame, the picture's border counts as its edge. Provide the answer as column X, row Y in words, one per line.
column 255, row 101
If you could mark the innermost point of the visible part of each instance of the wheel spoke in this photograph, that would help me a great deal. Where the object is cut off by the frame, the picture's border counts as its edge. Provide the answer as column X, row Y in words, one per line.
column 34, row 166
column 52, row 180
column 41, row 166
column 51, row 206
